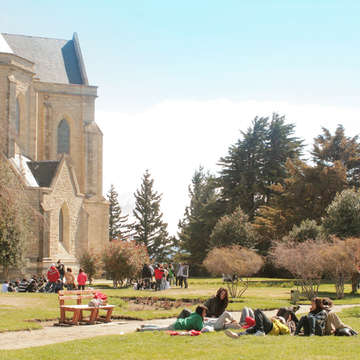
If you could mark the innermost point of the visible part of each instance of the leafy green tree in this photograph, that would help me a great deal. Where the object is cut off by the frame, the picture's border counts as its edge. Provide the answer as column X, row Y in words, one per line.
column 257, row 161
column 149, row 226
column 342, row 217
column 233, row 229
column 307, row 230
column 329, row 149
column 304, row 194
column 90, row 262
column 118, row 224
column 17, row 219
column 200, row 217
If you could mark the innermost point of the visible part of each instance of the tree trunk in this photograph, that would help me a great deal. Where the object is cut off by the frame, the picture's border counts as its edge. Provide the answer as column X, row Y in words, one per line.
column 355, row 278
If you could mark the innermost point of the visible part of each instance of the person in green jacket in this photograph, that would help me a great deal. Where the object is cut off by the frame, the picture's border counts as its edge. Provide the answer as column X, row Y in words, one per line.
column 193, row 322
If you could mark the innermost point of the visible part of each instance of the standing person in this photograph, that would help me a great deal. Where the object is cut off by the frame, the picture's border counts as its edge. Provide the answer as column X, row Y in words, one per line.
column 81, row 279
column 179, row 277
column 70, row 279
column 185, row 275
column 159, row 273
column 61, row 269
column 53, row 276
column 171, row 275
column 146, row 276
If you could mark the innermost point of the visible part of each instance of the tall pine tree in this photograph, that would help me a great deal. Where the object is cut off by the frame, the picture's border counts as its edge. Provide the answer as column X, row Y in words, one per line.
column 118, row 224
column 200, row 217
column 149, row 226
column 257, row 161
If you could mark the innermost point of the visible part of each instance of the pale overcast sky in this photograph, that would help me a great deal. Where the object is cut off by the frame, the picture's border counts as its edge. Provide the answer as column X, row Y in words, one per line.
column 178, row 80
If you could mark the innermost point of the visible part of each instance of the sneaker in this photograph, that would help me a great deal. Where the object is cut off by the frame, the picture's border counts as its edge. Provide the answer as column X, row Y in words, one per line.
column 231, row 334
column 259, row 333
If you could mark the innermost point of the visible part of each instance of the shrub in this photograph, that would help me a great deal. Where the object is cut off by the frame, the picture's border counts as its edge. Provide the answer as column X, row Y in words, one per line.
column 340, row 259
column 237, row 262
column 124, row 261
column 303, row 261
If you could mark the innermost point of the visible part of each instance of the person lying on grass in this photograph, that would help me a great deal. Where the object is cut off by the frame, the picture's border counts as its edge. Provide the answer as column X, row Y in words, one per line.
column 217, row 304
column 224, row 321
column 193, row 322
column 264, row 326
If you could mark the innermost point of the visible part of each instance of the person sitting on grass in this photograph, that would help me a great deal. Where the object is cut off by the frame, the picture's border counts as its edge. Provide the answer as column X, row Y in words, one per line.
column 263, row 326
column 314, row 322
column 217, row 304
column 193, row 322
column 333, row 324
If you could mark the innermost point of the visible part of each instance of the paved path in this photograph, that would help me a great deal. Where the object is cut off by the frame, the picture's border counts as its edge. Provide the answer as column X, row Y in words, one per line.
column 56, row 334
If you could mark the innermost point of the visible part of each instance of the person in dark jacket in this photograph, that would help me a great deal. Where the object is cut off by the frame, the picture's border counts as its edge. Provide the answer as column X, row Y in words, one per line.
column 217, row 304
column 146, row 276
column 314, row 322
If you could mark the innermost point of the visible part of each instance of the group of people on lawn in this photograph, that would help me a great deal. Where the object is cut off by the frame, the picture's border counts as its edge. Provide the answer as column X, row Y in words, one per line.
column 56, row 278
column 162, row 276
column 212, row 315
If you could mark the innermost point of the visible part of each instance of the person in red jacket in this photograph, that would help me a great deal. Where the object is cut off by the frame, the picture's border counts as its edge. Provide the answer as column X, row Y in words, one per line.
column 81, row 279
column 53, row 276
column 159, row 273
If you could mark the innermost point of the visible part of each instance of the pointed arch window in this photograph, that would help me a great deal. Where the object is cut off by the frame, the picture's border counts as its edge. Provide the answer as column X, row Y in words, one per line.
column 17, row 117
column 61, row 226
column 63, row 137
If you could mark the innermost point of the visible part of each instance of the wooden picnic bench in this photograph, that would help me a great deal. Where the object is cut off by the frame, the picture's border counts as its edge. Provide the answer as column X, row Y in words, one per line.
column 78, row 308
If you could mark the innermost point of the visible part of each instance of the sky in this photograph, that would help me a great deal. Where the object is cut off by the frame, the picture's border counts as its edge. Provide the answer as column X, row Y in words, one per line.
column 178, row 81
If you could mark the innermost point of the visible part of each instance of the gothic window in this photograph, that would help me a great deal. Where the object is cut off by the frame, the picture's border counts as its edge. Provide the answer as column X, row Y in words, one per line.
column 61, row 226
column 63, row 137
column 17, row 117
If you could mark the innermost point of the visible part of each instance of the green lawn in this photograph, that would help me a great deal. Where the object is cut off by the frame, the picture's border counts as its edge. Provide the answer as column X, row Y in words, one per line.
column 19, row 310
column 206, row 346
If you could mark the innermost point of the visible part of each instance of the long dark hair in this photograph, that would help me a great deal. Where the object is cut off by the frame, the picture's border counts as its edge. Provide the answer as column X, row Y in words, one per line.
column 318, row 305
column 225, row 301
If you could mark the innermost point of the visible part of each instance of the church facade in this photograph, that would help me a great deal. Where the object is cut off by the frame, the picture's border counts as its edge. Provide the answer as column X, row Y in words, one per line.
column 50, row 138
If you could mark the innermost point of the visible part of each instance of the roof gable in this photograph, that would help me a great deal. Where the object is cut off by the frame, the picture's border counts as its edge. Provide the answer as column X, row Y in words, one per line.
column 56, row 60
column 43, row 171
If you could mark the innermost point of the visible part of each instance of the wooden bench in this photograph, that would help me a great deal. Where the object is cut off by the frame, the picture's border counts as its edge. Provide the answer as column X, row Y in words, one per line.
column 78, row 308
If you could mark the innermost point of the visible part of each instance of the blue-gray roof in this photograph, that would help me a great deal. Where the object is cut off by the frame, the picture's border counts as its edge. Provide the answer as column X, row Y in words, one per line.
column 56, row 60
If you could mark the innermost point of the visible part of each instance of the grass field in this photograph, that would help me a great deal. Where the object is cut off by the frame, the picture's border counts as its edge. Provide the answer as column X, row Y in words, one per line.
column 19, row 311
column 206, row 346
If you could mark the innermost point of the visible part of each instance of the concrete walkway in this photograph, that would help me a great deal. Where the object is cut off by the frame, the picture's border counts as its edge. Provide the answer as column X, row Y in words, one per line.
column 57, row 334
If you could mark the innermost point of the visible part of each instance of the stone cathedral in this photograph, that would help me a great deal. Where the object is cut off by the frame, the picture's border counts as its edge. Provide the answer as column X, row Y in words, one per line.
column 49, row 136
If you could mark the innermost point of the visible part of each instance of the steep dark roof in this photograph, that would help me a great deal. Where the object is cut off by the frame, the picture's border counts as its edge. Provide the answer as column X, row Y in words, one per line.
column 55, row 60
column 43, row 171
